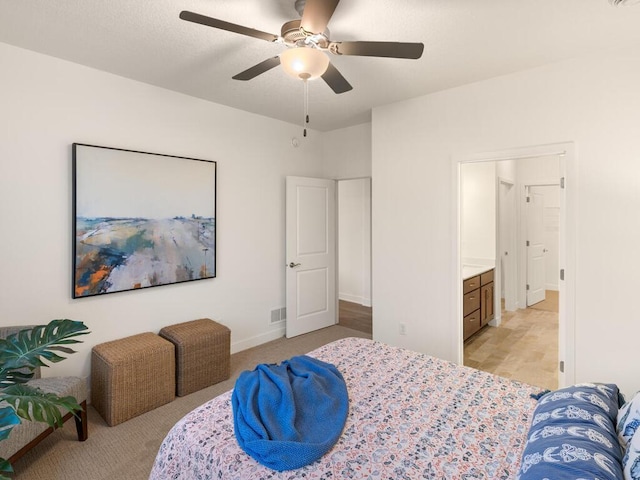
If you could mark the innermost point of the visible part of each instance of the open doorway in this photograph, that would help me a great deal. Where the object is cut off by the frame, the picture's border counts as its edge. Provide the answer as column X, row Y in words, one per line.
column 354, row 254
column 509, row 230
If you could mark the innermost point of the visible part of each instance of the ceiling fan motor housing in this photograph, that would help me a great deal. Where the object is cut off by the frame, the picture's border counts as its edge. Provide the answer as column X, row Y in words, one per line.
column 292, row 34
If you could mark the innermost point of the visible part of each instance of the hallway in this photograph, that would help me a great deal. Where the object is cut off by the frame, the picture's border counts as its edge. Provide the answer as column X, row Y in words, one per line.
column 355, row 316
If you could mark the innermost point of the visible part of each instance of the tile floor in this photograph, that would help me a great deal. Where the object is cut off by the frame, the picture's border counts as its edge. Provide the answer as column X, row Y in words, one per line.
column 524, row 347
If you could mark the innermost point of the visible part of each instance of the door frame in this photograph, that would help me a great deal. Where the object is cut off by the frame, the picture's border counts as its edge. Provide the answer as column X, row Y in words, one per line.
column 566, row 248
column 511, row 284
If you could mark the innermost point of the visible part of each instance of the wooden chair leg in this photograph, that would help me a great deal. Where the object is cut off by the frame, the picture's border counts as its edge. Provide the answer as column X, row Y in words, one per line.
column 81, row 423
column 81, row 427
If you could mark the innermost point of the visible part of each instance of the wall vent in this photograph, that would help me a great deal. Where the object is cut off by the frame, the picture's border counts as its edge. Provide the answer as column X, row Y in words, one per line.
column 278, row 315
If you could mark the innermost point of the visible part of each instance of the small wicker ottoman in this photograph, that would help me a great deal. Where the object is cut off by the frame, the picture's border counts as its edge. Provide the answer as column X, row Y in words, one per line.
column 203, row 349
column 131, row 376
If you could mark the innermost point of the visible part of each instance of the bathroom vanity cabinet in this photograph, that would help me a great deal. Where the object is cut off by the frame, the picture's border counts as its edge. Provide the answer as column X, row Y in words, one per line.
column 478, row 303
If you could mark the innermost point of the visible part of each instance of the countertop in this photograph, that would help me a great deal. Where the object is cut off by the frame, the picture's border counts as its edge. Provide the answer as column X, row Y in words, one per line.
column 469, row 271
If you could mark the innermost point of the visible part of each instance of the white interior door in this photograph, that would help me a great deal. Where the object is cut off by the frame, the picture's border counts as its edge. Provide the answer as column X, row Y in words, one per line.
column 551, row 233
column 311, row 254
column 536, row 265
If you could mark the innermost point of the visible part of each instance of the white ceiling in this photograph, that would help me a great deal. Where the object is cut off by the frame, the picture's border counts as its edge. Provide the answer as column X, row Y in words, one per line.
column 465, row 41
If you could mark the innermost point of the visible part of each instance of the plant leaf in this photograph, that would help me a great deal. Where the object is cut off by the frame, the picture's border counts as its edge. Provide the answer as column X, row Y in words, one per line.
column 11, row 377
column 27, row 347
column 8, row 420
column 32, row 403
column 5, row 468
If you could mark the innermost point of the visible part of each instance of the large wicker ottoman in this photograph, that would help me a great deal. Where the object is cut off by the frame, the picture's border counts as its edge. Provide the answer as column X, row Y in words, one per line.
column 203, row 349
column 131, row 376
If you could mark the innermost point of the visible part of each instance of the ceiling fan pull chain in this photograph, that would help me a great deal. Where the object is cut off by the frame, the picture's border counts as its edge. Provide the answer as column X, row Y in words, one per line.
column 306, row 105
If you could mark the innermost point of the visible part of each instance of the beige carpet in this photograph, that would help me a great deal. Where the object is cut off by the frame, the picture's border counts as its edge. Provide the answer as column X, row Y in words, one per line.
column 127, row 451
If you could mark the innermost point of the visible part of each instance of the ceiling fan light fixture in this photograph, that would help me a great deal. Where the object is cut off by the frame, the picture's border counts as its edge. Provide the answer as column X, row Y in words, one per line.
column 304, row 63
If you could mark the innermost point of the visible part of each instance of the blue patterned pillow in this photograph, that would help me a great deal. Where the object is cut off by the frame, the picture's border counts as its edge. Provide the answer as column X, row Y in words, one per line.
column 631, row 460
column 628, row 419
column 573, row 435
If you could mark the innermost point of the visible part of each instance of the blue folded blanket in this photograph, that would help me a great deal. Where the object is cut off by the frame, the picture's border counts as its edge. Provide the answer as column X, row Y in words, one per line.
column 289, row 415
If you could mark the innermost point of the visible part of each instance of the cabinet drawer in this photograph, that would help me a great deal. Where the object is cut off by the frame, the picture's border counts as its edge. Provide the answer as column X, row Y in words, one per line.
column 486, row 277
column 471, row 284
column 470, row 324
column 471, row 302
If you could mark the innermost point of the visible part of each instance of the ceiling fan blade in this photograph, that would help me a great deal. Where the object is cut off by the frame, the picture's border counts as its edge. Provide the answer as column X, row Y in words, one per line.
column 317, row 14
column 258, row 69
column 230, row 27
column 335, row 80
column 378, row 49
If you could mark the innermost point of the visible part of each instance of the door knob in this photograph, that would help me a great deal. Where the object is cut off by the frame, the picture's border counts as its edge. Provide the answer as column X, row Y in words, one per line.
column 293, row 265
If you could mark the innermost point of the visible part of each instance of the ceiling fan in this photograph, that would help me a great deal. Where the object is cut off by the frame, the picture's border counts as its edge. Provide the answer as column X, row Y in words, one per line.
column 307, row 39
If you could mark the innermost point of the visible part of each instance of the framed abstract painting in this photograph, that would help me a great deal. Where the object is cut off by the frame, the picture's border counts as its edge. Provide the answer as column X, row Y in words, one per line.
column 141, row 220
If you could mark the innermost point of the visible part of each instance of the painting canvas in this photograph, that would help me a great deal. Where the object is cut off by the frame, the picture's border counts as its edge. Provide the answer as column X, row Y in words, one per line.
column 141, row 220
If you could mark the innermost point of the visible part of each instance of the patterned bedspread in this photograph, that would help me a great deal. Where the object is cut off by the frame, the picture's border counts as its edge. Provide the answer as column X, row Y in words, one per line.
column 411, row 416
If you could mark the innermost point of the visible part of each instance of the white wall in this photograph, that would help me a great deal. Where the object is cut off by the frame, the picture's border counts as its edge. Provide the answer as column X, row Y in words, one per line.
column 47, row 104
column 478, row 213
column 347, row 152
column 347, row 155
column 354, row 240
column 507, row 170
column 593, row 101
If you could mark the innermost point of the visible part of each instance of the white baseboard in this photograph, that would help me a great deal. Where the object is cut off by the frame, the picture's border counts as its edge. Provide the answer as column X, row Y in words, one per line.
column 550, row 286
column 355, row 299
column 257, row 340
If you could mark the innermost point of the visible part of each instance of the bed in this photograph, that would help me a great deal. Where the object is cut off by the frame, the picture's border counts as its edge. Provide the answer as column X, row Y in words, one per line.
column 410, row 416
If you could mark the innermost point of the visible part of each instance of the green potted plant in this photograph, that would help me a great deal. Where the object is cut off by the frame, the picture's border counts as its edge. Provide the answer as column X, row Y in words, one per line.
column 20, row 355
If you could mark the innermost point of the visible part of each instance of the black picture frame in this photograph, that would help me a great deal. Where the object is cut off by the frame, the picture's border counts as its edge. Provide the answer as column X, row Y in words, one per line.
column 140, row 219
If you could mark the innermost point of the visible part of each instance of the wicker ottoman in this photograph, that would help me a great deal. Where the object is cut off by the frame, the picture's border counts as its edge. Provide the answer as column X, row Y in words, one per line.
column 131, row 376
column 203, row 349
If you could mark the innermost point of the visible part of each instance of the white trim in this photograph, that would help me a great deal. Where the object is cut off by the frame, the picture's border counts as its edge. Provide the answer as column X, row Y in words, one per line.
column 516, row 153
column 257, row 340
column 457, row 346
column 366, row 302
column 499, row 248
column 567, row 248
